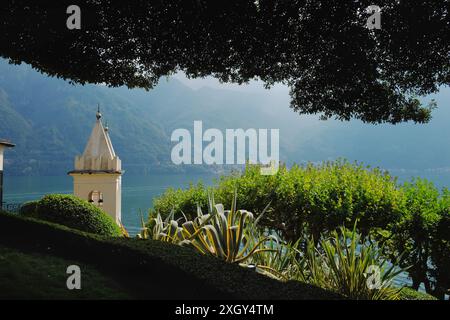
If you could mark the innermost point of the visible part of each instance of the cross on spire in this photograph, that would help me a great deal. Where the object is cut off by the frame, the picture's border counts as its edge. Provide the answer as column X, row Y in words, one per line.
column 98, row 115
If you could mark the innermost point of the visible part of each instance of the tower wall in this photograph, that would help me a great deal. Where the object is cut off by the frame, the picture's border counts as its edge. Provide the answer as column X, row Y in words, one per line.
column 109, row 185
column 1, row 156
column 1, row 175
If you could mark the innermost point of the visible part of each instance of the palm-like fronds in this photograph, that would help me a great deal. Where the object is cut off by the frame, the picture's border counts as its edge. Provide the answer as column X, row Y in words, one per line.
column 226, row 234
column 230, row 235
column 280, row 260
column 342, row 263
column 123, row 230
column 167, row 230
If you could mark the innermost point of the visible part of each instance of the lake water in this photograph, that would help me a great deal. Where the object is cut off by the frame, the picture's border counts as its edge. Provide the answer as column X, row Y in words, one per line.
column 138, row 191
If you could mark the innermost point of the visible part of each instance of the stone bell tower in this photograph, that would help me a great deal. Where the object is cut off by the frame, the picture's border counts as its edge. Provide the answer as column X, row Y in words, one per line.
column 97, row 177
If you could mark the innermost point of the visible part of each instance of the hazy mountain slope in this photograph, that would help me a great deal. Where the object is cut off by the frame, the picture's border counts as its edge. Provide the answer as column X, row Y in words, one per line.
column 403, row 146
column 59, row 118
column 50, row 120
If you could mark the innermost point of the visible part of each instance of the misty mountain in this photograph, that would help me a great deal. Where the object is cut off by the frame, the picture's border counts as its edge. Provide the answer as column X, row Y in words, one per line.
column 50, row 120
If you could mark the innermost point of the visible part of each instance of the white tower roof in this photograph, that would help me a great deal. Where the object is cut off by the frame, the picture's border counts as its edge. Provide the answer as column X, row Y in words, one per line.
column 99, row 143
column 98, row 155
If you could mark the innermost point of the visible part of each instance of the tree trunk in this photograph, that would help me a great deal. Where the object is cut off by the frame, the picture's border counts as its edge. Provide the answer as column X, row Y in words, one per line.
column 415, row 282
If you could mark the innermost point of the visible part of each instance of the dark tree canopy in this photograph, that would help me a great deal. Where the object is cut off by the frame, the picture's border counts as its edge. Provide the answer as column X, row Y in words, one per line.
column 322, row 50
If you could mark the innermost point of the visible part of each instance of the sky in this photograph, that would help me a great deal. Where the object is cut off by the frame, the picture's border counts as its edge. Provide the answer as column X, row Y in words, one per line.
column 252, row 86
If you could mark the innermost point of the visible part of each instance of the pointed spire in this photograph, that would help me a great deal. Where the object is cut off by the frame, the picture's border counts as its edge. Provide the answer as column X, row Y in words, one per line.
column 98, row 115
column 99, row 153
column 99, row 143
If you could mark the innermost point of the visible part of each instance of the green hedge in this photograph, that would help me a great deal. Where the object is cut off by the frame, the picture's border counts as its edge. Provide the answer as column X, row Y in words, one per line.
column 151, row 269
column 319, row 198
column 422, row 236
column 73, row 212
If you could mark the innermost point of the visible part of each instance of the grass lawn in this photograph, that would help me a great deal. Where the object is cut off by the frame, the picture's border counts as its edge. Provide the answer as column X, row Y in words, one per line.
column 35, row 254
column 41, row 276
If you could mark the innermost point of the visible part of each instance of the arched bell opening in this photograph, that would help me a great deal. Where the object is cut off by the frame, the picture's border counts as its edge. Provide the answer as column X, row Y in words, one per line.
column 96, row 197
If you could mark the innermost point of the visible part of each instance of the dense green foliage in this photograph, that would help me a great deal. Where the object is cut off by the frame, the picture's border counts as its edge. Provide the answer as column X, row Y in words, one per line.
column 322, row 50
column 151, row 269
column 440, row 255
column 181, row 201
column 314, row 200
column 347, row 264
column 73, row 212
column 422, row 235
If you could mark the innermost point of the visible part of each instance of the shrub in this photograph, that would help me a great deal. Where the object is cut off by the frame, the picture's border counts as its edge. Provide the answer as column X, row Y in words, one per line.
column 29, row 208
column 179, row 201
column 423, row 236
column 440, row 252
column 230, row 235
column 343, row 263
column 350, row 266
column 316, row 199
column 76, row 213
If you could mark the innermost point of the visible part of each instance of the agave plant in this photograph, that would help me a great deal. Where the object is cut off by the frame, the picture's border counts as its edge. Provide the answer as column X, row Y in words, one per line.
column 280, row 261
column 343, row 263
column 123, row 230
column 230, row 235
column 167, row 230
column 144, row 233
